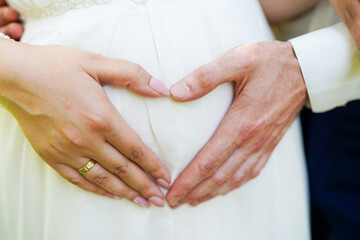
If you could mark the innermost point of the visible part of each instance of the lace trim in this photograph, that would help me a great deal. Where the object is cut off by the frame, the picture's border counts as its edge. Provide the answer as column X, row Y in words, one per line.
column 54, row 8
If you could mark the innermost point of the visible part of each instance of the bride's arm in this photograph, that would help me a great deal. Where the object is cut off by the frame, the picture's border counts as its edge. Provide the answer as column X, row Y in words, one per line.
column 55, row 95
column 281, row 10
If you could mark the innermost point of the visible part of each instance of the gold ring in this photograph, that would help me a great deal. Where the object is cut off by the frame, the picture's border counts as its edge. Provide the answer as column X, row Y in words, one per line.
column 87, row 167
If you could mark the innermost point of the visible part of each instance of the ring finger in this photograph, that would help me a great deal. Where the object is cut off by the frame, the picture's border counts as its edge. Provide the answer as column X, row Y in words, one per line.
column 76, row 178
column 130, row 173
column 108, row 181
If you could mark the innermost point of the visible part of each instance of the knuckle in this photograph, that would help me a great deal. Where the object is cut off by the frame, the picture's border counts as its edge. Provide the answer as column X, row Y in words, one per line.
column 237, row 180
column 122, row 169
column 101, row 179
column 219, row 180
column 261, row 141
column 208, row 168
column 89, row 58
column 77, row 141
column 145, row 190
column 72, row 137
column 204, row 76
column 58, row 144
column 136, row 153
column 129, row 194
column 154, row 172
column 249, row 130
column 247, row 56
column 155, row 167
column 97, row 122
column 94, row 57
column 136, row 72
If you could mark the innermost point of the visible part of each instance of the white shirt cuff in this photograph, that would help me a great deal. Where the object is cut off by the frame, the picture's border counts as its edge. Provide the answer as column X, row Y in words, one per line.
column 330, row 63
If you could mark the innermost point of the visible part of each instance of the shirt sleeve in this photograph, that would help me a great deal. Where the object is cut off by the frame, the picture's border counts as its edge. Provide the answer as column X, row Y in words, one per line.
column 330, row 63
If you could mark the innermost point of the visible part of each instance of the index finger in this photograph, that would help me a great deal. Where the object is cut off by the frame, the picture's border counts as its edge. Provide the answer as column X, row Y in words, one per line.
column 229, row 67
column 124, row 139
column 221, row 145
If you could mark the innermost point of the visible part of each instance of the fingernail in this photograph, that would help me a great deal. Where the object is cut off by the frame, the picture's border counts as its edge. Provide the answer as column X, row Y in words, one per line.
column 174, row 201
column 117, row 197
column 157, row 201
column 180, row 90
column 159, row 87
column 141, row 202
column 163, row 183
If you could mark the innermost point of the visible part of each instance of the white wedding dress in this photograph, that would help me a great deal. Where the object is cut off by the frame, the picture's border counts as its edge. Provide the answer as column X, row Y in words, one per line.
column 169, row 38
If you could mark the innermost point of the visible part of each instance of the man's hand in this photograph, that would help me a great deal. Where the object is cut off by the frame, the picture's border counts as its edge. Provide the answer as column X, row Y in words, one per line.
column 9, row 21
column 270, row 92
column 55, row 95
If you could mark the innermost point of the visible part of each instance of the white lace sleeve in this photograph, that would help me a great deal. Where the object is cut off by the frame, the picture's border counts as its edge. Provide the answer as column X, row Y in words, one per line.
column 43, row 8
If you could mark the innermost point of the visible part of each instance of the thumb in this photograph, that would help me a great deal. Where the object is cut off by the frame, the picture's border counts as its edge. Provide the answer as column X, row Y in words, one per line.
column 125, row 74
column 205, row 79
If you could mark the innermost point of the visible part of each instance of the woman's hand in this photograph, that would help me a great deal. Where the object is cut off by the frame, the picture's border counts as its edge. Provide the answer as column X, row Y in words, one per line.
column 270, row 92
column 9, row 21
column 56, row 96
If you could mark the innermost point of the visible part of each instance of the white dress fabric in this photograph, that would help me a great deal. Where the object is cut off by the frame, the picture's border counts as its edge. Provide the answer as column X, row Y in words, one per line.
column 169, row 38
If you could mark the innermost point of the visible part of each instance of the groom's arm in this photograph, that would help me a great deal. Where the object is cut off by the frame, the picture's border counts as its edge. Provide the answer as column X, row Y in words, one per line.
column 332, row 75
column 213, row 172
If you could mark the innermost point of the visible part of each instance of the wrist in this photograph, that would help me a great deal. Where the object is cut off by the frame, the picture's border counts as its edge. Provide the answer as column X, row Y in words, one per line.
column 298, row 72
column 9, row 60
column 4, row 39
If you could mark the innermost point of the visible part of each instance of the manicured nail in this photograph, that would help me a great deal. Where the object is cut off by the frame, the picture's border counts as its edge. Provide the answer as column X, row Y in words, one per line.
column 193, row 204
column 117, row 197
column 157, row 201
column 180, row 90
column 141, row 202
column 163, row 183
column 159, row 87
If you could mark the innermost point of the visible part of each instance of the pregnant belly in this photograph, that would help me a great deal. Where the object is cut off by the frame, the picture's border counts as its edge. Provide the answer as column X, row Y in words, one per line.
column 174, row 131
column 169, row 44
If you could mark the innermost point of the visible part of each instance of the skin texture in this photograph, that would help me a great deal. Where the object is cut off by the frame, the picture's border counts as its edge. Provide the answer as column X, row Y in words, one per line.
column 9, row 21
column 270, row 92
column 68, row 126
column 217, row 171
